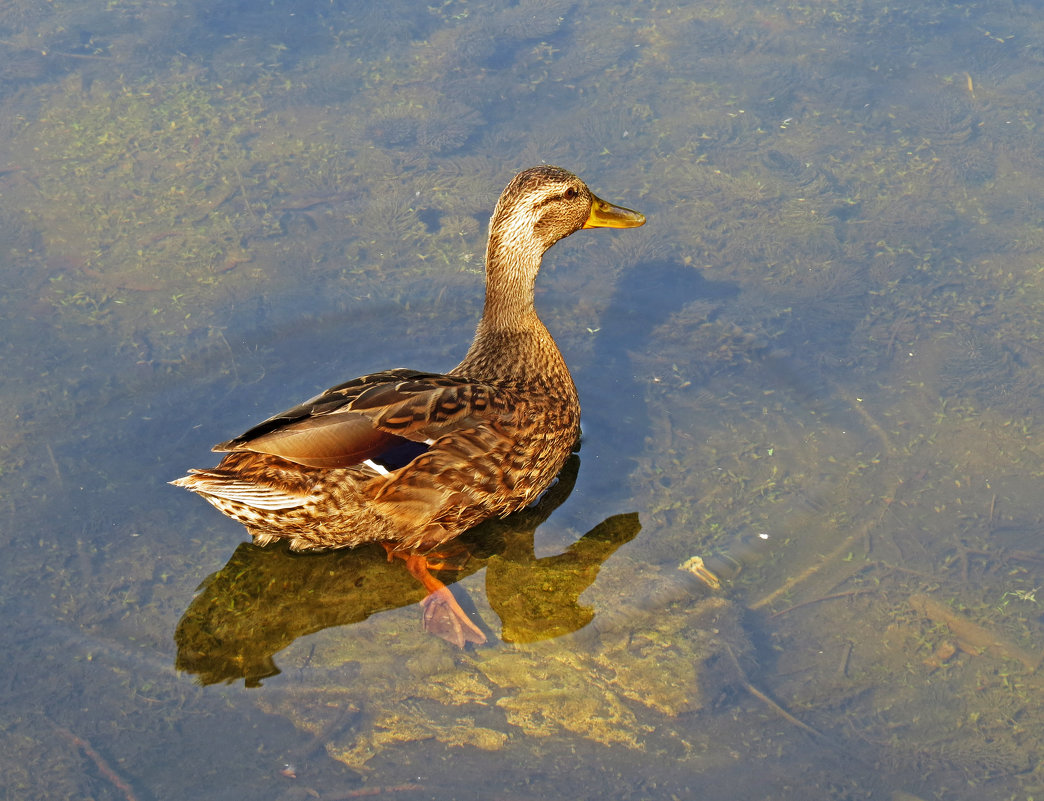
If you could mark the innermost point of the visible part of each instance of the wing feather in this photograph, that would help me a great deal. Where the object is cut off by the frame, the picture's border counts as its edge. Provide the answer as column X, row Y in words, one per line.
column 384, row 417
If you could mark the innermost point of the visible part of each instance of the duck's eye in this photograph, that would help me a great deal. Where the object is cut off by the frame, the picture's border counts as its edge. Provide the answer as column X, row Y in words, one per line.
column 570, row 194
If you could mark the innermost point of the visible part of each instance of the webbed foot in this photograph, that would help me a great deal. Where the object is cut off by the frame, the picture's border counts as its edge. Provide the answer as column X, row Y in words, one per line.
column 444, row 617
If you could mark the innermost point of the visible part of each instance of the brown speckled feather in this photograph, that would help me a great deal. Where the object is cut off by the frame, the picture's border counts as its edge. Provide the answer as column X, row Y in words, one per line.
column 413, row 459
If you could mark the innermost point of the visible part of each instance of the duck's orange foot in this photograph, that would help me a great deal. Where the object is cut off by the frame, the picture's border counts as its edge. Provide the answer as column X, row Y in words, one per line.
column 444, row 617
column 442, row 614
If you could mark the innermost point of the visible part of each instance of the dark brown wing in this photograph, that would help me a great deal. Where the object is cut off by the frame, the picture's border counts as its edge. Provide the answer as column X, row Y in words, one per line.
column 387, row 417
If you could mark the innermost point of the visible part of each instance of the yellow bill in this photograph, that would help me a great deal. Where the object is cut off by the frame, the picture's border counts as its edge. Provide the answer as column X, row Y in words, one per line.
column 606, row 215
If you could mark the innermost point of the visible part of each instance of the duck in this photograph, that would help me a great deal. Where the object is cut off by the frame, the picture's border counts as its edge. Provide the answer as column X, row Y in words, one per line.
column 410, row 459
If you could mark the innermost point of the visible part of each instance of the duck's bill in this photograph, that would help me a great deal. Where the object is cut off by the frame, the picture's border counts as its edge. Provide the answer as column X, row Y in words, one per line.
column 606, row 215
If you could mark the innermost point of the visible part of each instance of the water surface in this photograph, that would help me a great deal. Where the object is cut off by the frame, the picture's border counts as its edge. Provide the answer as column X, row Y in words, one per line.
column 817, row 367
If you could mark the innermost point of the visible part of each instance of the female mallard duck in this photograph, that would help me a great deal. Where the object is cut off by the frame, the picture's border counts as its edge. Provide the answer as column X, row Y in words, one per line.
column 409, row 459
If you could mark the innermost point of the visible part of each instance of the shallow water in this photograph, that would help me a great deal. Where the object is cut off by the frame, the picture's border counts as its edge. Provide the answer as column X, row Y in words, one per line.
column 817, row 367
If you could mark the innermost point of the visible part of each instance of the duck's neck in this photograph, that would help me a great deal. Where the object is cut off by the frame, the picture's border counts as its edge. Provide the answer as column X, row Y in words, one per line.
column 510, row 283
column 511, row 343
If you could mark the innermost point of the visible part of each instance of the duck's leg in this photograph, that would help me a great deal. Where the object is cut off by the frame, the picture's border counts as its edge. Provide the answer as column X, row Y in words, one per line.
column 442, row 614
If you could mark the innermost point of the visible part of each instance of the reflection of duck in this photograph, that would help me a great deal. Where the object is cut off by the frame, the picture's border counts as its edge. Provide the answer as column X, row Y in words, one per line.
column 264, row 598
column 539, row 599
column 409, row 459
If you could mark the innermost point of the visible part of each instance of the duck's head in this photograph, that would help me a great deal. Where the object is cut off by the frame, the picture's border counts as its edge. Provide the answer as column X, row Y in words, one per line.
column 544, row 204
column 540, row 206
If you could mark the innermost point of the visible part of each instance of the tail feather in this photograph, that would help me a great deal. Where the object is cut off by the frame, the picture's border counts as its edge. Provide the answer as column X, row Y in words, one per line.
column 217, row 484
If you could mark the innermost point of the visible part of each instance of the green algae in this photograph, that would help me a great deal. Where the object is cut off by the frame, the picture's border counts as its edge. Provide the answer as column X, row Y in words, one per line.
column 156, row 191
column 605, row 694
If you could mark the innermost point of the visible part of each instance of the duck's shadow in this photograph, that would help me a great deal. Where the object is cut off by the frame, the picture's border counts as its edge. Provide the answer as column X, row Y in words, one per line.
column 265, row 598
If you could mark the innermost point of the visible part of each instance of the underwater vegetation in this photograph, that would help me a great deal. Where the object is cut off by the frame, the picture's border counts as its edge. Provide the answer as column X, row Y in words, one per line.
column 818, row 369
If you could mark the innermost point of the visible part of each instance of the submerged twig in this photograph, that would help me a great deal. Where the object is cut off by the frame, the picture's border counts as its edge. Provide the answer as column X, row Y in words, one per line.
column 54, row 464
column 348, row 716
column 973, row 638
column 362, row 792
column 744, row 682
column 99, row 762
column 846, row 656
column 817, row 735
column 842, row 548
column 856, row 404
column 59, row 53
column 810, row 601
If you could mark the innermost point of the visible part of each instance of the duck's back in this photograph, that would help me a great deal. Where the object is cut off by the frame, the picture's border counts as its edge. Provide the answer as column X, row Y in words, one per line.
column 401, row 456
